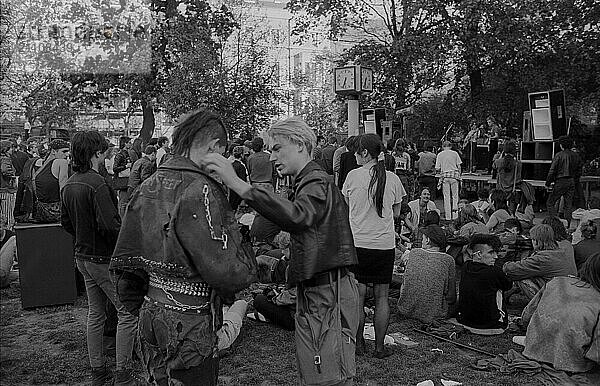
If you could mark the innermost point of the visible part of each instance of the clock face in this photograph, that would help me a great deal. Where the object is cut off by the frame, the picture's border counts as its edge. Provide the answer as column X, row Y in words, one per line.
column 366, row 76
column 344, row 79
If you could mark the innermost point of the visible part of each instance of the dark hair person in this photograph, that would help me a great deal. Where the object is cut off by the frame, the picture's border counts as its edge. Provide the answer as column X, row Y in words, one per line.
column 84, row 146
column 374, row 197
column 374, row 147
column 89, row 212
column 199, row 126
column 500, row 211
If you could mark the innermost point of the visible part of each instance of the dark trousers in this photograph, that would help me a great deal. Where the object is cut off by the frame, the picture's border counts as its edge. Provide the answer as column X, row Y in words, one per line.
column 579, row 197
column 282, row 316
column 428, row 182
column 563, row 187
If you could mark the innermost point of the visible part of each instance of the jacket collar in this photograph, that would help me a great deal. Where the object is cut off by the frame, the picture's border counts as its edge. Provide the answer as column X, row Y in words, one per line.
column 178, row 162
column 311, row 166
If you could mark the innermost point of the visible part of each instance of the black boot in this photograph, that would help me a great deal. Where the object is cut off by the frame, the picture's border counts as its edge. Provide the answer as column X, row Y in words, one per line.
column 101, row 376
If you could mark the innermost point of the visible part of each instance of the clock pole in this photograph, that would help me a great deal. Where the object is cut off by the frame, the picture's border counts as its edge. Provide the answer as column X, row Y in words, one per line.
column 353, row 113
column 352, row 81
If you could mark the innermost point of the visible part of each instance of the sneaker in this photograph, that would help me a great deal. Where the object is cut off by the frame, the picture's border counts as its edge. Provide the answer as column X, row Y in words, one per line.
column 101, row 376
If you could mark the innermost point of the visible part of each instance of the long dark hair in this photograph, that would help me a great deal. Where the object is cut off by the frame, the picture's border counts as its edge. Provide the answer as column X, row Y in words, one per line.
column 373, row 145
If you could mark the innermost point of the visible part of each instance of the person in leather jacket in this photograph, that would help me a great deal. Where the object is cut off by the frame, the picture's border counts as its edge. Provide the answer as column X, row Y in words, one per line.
column 322, row 249
column 179, row 252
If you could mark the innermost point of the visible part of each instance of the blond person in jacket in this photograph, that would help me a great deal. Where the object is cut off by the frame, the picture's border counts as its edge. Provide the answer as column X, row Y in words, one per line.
column 547, row 262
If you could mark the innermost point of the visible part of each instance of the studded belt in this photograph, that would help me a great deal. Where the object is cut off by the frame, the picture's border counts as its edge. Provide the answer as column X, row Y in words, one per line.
column 179, row 286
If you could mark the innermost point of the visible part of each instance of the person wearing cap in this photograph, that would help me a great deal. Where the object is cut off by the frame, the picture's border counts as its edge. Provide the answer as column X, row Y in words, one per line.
column 429, row 285
column 49, row 181
column 447, row 163
column 564, row 171
column 142, row 168
column 260, row 169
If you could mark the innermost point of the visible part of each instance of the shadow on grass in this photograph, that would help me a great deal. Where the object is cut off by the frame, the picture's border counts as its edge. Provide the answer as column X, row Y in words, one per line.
column 48, row 346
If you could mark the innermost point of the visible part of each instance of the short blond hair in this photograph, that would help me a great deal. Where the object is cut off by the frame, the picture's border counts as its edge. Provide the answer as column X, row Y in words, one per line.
column 544, row 236
column 295, row 130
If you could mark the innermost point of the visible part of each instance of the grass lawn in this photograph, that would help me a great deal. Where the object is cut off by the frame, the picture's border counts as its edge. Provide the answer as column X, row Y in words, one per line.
column 47, row 346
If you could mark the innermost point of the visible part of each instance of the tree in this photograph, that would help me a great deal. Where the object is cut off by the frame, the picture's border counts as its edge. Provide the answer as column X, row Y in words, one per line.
column 403, row 41
column 234, row 76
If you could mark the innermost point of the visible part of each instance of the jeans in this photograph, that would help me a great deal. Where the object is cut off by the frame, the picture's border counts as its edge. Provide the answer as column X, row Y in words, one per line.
column 450, row 189
column 99, row 289
column 123, row 201
column 8, row 254
column 563, row 187
column 178, row 348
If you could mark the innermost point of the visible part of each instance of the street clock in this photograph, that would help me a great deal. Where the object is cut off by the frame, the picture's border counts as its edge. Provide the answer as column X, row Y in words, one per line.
column 353, row 80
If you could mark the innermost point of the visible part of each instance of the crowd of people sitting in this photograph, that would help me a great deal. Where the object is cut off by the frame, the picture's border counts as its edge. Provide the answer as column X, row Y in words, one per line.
column 465, row 264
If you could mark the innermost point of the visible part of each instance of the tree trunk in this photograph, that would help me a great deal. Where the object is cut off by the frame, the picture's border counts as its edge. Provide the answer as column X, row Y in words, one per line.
column 476, row 83
column 148, row 122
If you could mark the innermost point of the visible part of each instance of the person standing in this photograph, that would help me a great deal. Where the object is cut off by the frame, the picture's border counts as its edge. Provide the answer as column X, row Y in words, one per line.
column 564, row 171
column 327, row 154
column 374, row 196
column 163, row 149
column 317, row 155
column 337, row 155
column 121, row 172
column 7, row 183
column 322, row 251
column 142, row 169
column 425, row 166
column 178, row 254
column 260, row 169
column 448, row 164
column 241, row 171
column 49, row 180
column 89, row 212
column 347, row 161
column 19, row 157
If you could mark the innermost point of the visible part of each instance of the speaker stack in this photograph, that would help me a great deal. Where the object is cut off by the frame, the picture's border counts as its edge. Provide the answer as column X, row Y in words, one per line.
column 547, row 123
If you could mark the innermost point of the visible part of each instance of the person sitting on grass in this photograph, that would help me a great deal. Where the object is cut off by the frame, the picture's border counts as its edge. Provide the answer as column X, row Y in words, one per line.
column 470, row 223
column 561, row 236
column 547, row 262
column 517, row 246
column 562, row 321
column 499, row 210
column 588, row 246
column 429, row 279
column 482, row 204
column 480, row 306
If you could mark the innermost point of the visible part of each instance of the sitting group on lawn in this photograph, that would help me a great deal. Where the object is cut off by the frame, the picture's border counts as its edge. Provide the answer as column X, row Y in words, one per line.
column 176, row 258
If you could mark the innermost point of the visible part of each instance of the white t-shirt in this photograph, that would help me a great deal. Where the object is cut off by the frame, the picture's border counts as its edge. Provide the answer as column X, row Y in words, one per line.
column 160, row 153
column 448, row 161
column 370, row 230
